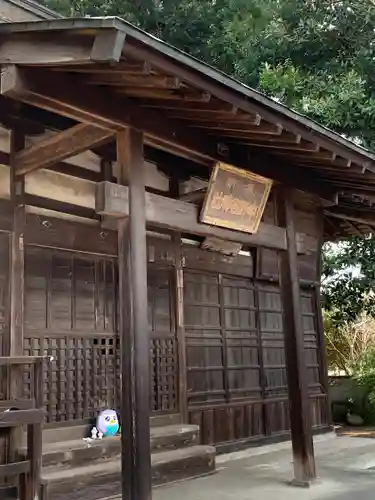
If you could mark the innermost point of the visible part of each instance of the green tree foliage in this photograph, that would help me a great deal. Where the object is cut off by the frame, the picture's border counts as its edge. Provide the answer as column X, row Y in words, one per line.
column 316, row 56
column 348, row 281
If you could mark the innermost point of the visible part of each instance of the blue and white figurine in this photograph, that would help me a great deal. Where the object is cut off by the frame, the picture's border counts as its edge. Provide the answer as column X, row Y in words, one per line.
column 107, row 423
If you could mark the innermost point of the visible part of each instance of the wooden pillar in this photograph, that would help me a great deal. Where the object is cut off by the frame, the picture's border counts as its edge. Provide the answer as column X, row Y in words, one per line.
column 14, row 338
column 178, row 296
column 134, row 334
column 300, row 418
column 16, row 262
column 321, row 347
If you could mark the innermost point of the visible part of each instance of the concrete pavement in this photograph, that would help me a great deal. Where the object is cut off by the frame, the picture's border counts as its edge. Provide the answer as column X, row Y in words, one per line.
column 345, row 465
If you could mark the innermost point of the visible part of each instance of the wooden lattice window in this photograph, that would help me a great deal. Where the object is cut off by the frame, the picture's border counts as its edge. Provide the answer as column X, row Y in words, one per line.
column 70, row 314
column 163, row 347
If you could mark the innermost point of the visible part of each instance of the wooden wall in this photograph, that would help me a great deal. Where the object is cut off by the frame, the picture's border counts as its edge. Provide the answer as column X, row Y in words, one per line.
column 234, row 381
column 71, row 314
column 236, row 373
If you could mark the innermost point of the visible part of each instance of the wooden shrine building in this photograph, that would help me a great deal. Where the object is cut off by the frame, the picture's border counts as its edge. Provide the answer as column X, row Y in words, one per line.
column 145, row 282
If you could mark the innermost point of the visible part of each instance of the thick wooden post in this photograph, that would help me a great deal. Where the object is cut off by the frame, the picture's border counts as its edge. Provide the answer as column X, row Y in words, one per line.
column 14, row 339
column 321, row 351
column 300, row 418
column 178, row 296
column 180, row 330
column 17, row 266
column 135, row 348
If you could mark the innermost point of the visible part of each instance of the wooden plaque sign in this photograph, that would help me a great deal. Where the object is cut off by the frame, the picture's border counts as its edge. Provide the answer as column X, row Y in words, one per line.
column 235, row 199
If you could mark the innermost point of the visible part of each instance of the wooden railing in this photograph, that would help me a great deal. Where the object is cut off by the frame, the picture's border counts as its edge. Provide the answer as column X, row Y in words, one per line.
column 16, row 413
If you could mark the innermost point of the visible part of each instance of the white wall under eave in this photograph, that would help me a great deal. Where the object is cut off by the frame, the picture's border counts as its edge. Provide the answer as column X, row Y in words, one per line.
column 61, row 187
column 52, row 185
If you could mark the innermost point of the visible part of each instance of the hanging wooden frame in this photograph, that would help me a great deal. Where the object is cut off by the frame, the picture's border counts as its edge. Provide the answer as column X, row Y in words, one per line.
column 235, row 199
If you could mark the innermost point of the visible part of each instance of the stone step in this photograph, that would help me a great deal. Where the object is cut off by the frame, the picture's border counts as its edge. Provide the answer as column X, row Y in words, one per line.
column 102, row 479
column 72, row 432
column 78, row 452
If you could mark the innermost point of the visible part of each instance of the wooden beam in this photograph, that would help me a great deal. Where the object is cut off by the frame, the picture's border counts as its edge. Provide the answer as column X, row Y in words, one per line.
column 135, row 342
column 46, row 231
column 67, row 96
column 60, row 146
column 66, row 169
column 107, row 46
column 32, row 49
column 113, row 200
column 60, row 206
column 300, row 411
column 23, row 48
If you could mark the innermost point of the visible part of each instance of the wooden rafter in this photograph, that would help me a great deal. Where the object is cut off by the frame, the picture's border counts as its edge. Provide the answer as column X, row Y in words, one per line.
column 123, row 68
column 213, row 106
column 354, row 228
column 267, row 138
column 316, row 156
column 249, row 127
column 219, row 87
column 337, row 168
column 299, row 147
column 66, row 95
column 206, row 115
column 60, row 146
column 245, row 131
column 342, row 180
column 137, row 81
column 165, row 94
column 337, row 163
column 355, row 217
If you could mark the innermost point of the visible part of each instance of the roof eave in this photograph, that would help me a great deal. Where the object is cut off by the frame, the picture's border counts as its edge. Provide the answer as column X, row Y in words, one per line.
column 248, row 96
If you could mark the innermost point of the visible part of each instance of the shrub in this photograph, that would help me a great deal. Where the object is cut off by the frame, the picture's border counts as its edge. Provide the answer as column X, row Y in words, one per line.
column 364, row 375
